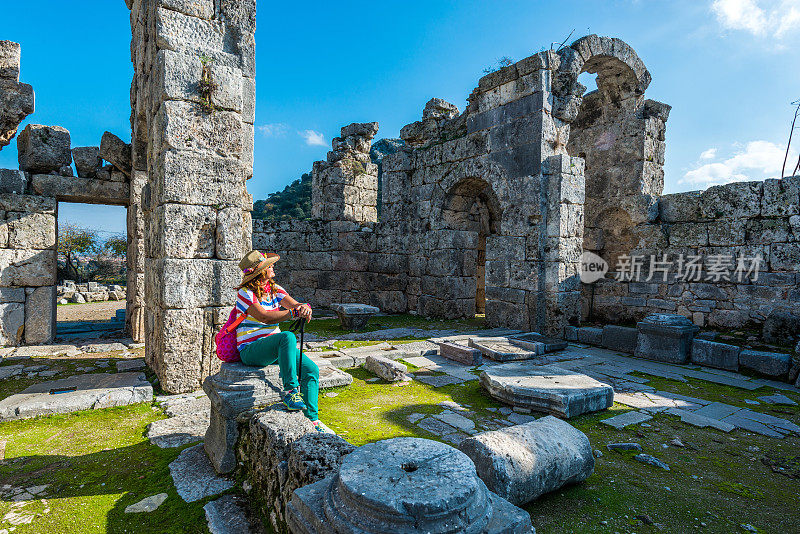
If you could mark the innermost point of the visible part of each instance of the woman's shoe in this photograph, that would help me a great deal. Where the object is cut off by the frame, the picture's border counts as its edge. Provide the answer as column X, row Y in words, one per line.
column 322, row 428
column 294, row 400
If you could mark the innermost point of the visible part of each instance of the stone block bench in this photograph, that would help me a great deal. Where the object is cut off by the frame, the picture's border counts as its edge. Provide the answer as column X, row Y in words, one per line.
column 354, row 316
column 239, row 388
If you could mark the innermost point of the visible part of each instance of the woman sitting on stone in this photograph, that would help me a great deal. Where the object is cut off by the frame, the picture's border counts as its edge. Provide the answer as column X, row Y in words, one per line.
column 260, row 340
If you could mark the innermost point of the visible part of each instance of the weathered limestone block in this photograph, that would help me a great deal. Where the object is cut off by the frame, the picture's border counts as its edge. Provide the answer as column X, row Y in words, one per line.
column 10, row 56
column 621, row 338
column 116, row 151
column 403, row 485
column 203, row 9
column 87, row 160
column 205, row 179
column 354, row 316
column 183, row 72
column 736, row 200
column 31, row 230
column 88, row 190
column 176, row 31
column 13, row 181
column 773, row 364
column 12, row 322
column 237, row 388
column 230, row 234
column 190, row 283
column 460, row 353
column 546, row 389
column 40, row 315
column 43, row 149
column 523, row 462
column 781, row 197
column 281, row 452
column 386, row 368
column 590, row 335
column 182, row 231
column 186, row 127
column 780, row 326
column 713, row 354
column 27, row 268
column 16, row 99
column 665, row 338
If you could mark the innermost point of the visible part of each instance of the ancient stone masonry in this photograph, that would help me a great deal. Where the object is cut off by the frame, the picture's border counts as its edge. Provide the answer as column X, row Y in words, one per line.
column 193, row 102
column 16, row 99
column 490, row 209
column 28, row 207
column 484, row 210
column 726, row 224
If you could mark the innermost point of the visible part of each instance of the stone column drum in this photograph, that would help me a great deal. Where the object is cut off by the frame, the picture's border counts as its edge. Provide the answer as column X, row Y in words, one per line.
column 665, row 338
column 404, row 485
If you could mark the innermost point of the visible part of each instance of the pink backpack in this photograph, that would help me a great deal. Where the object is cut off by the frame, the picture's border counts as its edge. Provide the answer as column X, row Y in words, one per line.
column 227, row 350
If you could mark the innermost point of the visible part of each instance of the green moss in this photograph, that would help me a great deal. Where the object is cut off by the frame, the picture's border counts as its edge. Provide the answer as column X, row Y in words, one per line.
column 96, row 463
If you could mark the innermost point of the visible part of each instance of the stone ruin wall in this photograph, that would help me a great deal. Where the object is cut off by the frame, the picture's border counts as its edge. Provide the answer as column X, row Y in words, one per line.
column 738, row 219
column 29, row 199
column 191, row 157
column 529, row 176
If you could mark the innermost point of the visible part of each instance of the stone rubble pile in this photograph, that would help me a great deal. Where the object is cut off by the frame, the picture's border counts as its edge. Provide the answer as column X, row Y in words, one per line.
column 69, row 291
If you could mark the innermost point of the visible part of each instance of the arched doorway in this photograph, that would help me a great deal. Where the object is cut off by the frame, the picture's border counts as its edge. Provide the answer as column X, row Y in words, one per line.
column 472, row 210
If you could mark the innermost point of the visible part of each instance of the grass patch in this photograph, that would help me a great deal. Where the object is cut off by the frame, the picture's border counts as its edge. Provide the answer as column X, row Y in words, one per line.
column 96, row 463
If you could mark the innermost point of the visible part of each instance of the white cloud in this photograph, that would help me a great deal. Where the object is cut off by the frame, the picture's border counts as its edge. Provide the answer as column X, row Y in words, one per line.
column 758, row 160
column 762, row 18
column 275, row 129
column 313, row 138
column 711, row 153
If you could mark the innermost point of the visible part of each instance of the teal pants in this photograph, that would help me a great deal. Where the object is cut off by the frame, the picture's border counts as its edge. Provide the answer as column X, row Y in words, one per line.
column 282, row 348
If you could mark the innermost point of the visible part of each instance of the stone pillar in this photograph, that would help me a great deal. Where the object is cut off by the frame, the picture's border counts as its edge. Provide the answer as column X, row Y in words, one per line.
column 16, row 99
column 193, row 101
column 135, row 310
column 345, row 187
column 557, row 302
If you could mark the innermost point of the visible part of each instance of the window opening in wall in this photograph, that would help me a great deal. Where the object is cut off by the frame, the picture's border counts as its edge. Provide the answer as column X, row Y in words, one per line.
column 91, row 266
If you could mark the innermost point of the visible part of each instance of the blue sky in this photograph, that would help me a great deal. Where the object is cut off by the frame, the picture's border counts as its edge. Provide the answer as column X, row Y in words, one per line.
column 726, row 67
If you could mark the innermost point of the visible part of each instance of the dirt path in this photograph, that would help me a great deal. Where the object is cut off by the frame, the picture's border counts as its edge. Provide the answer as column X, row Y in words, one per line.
column 92, row 311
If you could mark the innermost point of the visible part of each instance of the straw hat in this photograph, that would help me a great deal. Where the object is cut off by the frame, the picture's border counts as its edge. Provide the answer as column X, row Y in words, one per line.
column 255, row 262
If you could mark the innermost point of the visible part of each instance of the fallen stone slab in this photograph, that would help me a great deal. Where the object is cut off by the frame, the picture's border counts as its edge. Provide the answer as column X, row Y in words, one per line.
column 456, row 420
column 403, row 485
column 187, row 405
column 226, row 516
column 38, row 351
column 700, row 421
column 460, row 353
column 75, row 393
column 7, row 371
column 624, row 447
column 179, row 430
column 777, row 398
column 619, row 338
column 551, row 344
column 387, row 333
column 438, row 381
column 753, row 426
column 546, row 389
column 628, row 418
column 148, row 504
column 717, row 410
column 102, row 347
column 651, row 460
column 590, row 335
column 767, row 363
column 665, row 338
column 523, row 462
column 194, row 476
column 713, row 354
column 354, row 316
column 503, row 349
column 388, row 369
column 130, row 365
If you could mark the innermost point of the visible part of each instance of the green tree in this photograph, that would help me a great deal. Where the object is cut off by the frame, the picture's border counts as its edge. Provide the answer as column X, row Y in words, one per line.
column 74, row 242
column 116, row 246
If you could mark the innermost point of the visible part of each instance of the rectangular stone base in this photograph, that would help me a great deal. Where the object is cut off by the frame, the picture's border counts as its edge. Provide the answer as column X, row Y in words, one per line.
column 460, row 353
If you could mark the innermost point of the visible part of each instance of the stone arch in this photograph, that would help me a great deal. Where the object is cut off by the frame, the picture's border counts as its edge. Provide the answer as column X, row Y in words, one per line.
column 621, row 74
column 467, row 210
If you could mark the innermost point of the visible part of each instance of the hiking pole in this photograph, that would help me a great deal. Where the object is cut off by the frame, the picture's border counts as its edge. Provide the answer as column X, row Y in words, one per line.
column 300, row 367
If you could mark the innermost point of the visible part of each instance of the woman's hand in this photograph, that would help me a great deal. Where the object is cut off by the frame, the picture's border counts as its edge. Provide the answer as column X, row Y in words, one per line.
column 304, row 310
